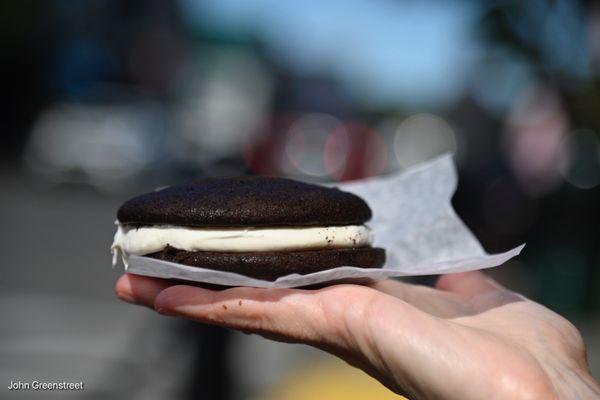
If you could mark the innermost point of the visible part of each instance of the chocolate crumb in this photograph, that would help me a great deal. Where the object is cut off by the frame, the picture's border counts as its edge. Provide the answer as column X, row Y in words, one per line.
column 240, row 303
column 224, row 307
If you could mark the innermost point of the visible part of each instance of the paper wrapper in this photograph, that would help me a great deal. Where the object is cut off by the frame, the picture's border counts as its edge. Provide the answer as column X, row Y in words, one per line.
column 413, row 220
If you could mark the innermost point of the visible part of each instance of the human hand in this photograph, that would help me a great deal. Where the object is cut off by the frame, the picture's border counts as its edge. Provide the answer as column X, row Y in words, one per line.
column 468, row 338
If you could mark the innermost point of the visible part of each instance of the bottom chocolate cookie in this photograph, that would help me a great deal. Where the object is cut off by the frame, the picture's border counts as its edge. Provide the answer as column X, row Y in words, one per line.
column 271, row 265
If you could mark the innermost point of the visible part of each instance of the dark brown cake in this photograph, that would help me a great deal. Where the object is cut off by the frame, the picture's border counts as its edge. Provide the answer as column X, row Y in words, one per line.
column 246, row 201
column 271, row 265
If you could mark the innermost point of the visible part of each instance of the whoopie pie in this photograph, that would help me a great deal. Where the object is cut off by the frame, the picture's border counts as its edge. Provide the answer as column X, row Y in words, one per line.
column 257, row 226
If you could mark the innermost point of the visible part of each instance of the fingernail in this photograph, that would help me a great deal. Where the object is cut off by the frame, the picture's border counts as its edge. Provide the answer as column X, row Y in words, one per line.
column 166, row 311
column 126, row 296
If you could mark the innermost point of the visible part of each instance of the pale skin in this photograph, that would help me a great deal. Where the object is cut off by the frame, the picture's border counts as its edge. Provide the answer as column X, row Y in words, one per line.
column 467, row 338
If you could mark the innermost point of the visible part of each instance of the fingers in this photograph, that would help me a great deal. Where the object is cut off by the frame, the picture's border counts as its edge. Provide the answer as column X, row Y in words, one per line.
column 141, row 290
column 481, row 292
column 469, row 284
column 435, row 302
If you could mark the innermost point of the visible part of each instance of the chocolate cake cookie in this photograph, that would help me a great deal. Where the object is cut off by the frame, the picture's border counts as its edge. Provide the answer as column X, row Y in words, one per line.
column 255, row 226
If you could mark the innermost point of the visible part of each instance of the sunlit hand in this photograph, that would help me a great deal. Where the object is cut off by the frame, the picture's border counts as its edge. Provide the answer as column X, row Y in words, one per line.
column 468, row 338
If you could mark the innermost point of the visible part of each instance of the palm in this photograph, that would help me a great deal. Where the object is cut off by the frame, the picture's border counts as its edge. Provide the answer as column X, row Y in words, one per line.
column 491, row 341
column 468, row 338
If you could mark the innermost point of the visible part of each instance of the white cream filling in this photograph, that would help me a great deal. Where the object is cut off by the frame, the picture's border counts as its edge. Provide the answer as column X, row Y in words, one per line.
column 149, row 239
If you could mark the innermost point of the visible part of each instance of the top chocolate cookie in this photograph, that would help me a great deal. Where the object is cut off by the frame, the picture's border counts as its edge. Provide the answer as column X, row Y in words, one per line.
column 246, row 201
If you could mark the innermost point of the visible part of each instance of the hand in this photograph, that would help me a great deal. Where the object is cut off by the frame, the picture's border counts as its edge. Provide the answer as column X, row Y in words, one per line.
column 468, row 338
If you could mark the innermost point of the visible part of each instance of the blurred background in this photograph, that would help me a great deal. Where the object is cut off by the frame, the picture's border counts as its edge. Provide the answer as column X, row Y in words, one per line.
column 103, row 99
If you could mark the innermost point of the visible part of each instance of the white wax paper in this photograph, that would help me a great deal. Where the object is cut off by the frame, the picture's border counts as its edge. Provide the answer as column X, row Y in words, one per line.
column 413, row 220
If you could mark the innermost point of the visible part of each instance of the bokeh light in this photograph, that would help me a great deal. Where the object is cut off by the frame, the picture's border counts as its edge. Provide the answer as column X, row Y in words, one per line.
column 366, row 154
column 537, row 127
column 101, row 145
column 421, row 137
column 335, row 153
column 306, row 144
column 221, row 103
